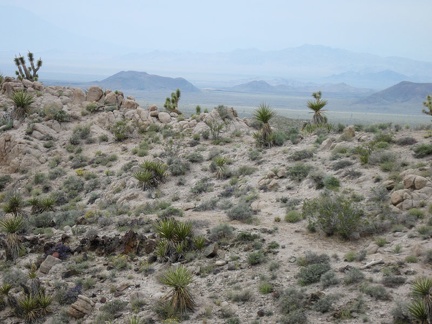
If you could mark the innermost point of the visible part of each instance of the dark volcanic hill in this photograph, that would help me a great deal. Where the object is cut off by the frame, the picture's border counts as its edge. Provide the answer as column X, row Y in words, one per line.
column 402, row 92
column 133, row 80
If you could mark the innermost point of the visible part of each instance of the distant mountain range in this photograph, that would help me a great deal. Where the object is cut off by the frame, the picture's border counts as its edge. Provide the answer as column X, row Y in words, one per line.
column 133, row 80
column 403, row 92
column 287, row 88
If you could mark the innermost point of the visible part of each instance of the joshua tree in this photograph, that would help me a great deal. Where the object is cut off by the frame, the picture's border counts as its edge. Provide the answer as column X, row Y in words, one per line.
column 171, row 104
column 24, row 72
column 428, row 105
column 263, row 115
column 317, row 105
column 421, row 307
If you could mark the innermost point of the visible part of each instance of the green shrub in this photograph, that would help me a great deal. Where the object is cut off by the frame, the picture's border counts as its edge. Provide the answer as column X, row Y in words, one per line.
column 422, row 150
column 301, row 155
column 328, row 279
column 120, row 130
column 332, row 214
column 203, row 185
column 352, row 276
column 265, row 287
column 299, row 171
column 312, row 273
column 241, row 212
column 292, row 300
column 178, row 166
column 195, row 157
column 4, row 180
column 341, row 164
column 256, row 257
column 293, row 216
column 331, row 182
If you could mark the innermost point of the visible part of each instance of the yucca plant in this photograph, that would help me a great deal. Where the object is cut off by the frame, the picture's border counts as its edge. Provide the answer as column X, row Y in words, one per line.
column 22, row 101
column 421, row 307
column 180, row 297
column 263, row 115
column 317, row 105
column 152, row 174
column 12, row 225
column 166, row 228
column 42, row 205
column 14, row 205
column 12, row 242
column 175, row 238
column 218, row 166
column 418, row 310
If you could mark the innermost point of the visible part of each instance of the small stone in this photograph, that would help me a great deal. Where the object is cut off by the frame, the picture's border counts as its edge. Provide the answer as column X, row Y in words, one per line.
column 220, row 263
column 48, row 263
column 260, row 313
column 103, row 300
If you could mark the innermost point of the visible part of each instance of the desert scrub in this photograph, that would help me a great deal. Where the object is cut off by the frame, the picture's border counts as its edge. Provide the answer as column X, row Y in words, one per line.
column 422, row 150
column 178, row 166
column 4, row 181
column 241, row 212
column 331, row 182
column 221, row 232
column 121, row 130
column 292, row 302
column 195, row 157
column 352, row 276
column 341, row 164
column 256, row 257
column 80, row 132
column 299, row 171
column 312, row 267
column 301, row 155
column 293, row 216
column 332, row 214
column 202, row 185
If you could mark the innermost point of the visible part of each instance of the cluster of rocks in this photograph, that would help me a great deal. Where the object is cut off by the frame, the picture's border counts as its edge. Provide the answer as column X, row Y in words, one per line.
column 416, row 193
column 109, row 107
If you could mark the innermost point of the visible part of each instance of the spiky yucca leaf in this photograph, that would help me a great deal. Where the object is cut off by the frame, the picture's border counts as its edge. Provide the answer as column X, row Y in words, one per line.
column 179, row 297
column 418, row 310
column 12, row 225
column 421, row 287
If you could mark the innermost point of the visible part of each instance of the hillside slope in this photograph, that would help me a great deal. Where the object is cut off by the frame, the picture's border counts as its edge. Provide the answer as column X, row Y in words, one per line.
column 404, row 91
column 324, row 225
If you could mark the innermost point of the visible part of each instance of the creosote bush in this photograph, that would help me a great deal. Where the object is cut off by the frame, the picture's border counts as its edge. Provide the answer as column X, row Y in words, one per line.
column 332, row 214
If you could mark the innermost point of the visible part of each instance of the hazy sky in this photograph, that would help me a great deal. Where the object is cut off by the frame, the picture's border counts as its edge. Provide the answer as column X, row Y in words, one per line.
column 383, row 27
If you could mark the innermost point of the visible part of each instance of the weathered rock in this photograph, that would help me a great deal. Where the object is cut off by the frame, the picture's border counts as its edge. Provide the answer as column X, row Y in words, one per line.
column 48, row 263
column 164, row 117
column 129, row 104
column 154, row 113
column 408, row 181
column 94, row 94
column 397, row 197
column 153, row 108
column 420, row 182
column 78, row 96
column 211, row 250
column 45, row 130
column 82, row 307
